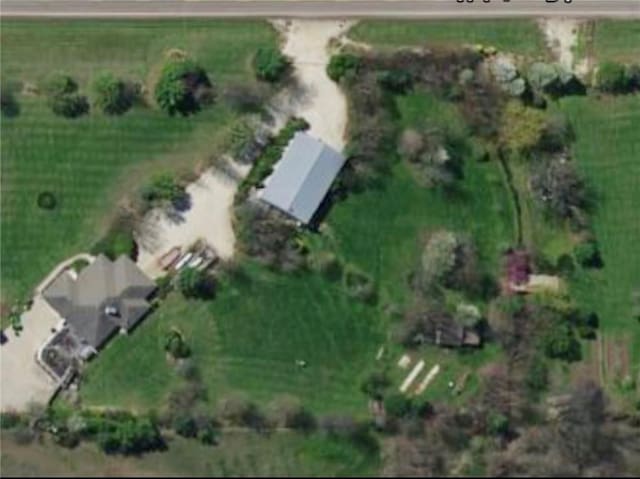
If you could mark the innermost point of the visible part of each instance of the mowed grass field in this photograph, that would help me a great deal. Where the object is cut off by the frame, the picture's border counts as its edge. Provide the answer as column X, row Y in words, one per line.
column 247, row 340
column 238, row 454
column 608, row 153
column 617, row 40
column 518, row 36
column 92, row 162
column 249, row 337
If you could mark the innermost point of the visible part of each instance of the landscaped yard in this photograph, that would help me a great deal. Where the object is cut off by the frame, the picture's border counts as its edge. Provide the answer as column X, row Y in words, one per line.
column 261, row 322
column 519, row 36
column 91, row 163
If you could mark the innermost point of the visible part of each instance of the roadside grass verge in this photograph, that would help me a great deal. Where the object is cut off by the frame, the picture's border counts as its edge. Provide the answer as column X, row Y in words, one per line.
column 617, row 40
column 518, row 36
column 91, row 163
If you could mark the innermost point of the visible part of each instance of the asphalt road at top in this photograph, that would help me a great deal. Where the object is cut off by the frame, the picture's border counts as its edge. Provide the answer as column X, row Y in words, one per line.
column 318, row 8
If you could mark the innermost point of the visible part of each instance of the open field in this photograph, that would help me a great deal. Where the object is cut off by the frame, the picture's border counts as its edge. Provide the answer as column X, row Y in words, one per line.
column 260, row 323
column 617, row 40
column 518, row 36
column 237, row 454
column 90, row 163
column 607, row 150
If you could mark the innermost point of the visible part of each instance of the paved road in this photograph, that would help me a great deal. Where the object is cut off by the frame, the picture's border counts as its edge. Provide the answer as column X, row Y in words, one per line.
column 317, row 8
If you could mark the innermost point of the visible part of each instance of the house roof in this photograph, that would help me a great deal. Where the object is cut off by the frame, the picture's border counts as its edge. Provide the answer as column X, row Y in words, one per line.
column 302, row 177
column 104, row 284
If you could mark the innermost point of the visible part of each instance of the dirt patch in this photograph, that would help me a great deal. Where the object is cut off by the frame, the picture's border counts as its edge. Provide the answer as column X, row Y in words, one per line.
column 562, row 37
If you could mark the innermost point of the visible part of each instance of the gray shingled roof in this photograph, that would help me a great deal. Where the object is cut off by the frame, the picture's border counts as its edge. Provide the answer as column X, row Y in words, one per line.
column 104, row 283
column 302, row 177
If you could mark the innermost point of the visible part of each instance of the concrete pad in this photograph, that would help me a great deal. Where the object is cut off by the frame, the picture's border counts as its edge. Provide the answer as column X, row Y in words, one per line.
column 22, row 380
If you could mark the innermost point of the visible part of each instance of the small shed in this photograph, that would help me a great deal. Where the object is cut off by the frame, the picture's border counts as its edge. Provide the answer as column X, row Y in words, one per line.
column 302, row 177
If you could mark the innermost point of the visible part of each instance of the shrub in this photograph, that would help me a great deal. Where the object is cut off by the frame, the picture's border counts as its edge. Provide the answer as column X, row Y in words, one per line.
column 71, row 105
column 194, row 283
column 164, row 188
column 208, row 434
column 565, row 265
column 116, row 243
column 343, row 65
column 10, row 420
column 287, row 411
column 359, row 285
column 588, row 254
column 47, row 200
column 110, row 95
column 395, row 81
column 375, row 384
column 270, row 64
column 185, row 426
column 612, row 78
column 9, row 106
column 59, row 84
column 398, row 405
column 327, row 264
column 537, row 376
column 560, row 342
column 176, row 346
column 439, row 258
column 498, row 424
column 183, row 87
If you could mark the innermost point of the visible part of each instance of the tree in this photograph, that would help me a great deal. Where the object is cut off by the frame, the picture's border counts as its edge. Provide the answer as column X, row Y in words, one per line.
column 9, row 106
column 194, row 283
column 611, row 77
column 343, row 65
column 116, row 243
column 439, row 258
column 59, row 84
column 588, row 254
column 110, row 94
column 522, row 127
column 375, row 384
column 558, row 185
column 270, row 64
column 183, row 87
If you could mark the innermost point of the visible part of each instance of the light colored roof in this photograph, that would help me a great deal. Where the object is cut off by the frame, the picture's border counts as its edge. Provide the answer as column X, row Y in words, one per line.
column 302, row 177
column 82, row 302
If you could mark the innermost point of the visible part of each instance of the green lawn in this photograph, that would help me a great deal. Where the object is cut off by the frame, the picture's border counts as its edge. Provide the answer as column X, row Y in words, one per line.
column 248, row 340
column 519, row 36
column 608, row 152
column 93, row 162
column 249, row 337
column 239, row 454
column 381, row 230
column 617, row 40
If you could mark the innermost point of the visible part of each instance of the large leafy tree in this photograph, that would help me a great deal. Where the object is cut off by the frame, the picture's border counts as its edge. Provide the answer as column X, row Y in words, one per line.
column 183, row 87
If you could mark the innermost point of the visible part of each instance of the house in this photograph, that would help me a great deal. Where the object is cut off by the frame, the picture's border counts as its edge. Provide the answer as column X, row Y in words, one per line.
column 302, row 177
column 104, row 297
column 443, row 330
